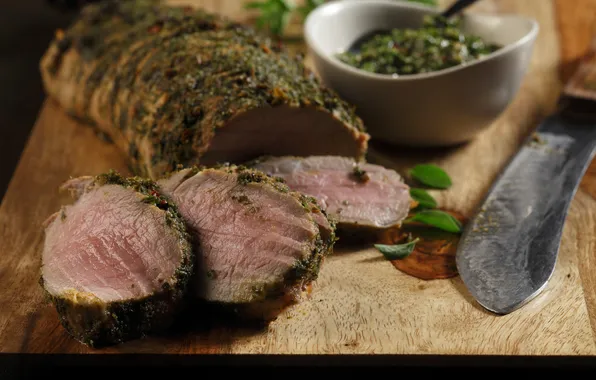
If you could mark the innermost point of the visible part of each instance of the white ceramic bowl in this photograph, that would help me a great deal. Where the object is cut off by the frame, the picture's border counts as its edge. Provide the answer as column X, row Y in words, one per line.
column 445, row 107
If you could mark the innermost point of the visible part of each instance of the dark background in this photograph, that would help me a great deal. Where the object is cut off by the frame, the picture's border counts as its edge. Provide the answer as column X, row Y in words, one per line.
column 26, row 27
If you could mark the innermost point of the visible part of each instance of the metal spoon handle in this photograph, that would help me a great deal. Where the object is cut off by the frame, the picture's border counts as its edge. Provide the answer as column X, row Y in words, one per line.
column 456, row 7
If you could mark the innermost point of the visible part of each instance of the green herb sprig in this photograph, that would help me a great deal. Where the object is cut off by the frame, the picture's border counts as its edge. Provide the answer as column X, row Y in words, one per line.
column 434, row 177
column 426, row 212
column 274, row 15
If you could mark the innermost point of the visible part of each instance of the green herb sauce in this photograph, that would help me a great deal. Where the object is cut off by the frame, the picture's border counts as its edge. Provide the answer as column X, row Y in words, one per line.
column 439, row 44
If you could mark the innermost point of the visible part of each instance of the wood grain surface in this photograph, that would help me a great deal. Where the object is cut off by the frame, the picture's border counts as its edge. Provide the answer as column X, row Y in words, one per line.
column 361, row 303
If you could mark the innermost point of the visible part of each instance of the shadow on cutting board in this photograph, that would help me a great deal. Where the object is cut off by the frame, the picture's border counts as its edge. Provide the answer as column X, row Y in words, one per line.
column 200, row 329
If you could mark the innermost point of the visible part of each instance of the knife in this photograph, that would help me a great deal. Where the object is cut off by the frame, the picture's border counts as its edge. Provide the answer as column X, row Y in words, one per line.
column 508, row 250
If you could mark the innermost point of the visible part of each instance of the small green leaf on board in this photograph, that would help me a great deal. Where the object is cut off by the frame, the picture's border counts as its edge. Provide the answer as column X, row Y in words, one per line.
column 438, row 219
column 397, row 251
column 431, row 175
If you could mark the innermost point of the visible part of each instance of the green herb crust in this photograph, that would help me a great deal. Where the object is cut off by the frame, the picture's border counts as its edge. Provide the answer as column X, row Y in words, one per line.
column 161, row 81
column 99, row 324
column 268, row 298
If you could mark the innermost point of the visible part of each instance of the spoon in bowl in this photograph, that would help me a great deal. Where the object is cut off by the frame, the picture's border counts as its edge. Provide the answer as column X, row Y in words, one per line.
column 457, row 7
column 453, row 10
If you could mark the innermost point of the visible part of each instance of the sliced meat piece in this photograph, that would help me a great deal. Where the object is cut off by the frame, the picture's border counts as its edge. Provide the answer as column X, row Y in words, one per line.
column 116, row 262
column 259, row 245
column 178, row 86
column 354, row 194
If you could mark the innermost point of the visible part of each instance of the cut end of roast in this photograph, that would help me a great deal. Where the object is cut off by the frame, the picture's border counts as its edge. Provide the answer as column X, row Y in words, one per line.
column 357, row 195
column 259, row 245
column 116, row 262
column 284, row 130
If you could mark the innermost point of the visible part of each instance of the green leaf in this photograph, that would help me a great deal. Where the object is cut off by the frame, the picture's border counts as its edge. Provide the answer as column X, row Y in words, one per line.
column 279, row 24
column 423, row 198
column 438, row 219
column 273, row 14
column 431, row 175
column 397, row 251
column 260, row 23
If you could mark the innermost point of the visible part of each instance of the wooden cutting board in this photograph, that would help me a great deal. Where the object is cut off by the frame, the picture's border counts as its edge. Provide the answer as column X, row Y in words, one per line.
column 361, row 303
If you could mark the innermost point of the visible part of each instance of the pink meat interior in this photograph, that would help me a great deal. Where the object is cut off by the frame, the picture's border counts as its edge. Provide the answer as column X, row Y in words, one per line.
column 381, row 201
column 110, row 245
column 248, row 235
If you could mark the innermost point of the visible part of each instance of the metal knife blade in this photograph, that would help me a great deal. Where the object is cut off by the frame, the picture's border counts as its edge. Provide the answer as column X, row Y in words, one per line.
column 508, row 251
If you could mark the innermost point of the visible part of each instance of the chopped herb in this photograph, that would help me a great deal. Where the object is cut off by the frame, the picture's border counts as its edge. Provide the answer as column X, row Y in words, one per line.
column 243, row 199
column 438, row 219
column 151, row 199
column 246, row 177
column 397, row 251
column 360, row 175
column 439, row 44
column 431, row 175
